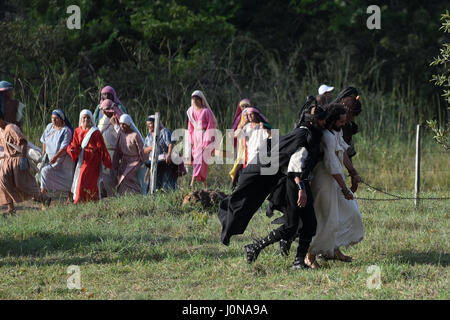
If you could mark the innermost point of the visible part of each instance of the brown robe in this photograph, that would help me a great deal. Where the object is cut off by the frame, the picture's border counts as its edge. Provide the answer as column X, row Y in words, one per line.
column 127, row 159
column 16, row 184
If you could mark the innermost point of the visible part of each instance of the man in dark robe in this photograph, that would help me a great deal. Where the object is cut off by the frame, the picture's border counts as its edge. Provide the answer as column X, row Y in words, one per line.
column 236, row 210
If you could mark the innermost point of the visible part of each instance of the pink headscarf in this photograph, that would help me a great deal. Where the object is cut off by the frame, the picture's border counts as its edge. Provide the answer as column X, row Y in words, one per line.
column 109, row 89
column 237, row 114
column 109, row 104
column 254, row 110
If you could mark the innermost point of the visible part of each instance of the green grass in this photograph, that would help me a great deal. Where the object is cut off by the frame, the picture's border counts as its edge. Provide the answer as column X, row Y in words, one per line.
column 142, row 248
column 154, row 248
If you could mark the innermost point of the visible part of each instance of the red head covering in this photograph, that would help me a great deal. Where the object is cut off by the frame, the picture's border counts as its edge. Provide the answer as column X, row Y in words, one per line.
column 109, row 89
column 237, row 114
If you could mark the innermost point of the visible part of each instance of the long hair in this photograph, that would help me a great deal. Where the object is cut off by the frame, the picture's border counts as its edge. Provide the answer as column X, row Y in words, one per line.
column 304, row 110
column 334, row 112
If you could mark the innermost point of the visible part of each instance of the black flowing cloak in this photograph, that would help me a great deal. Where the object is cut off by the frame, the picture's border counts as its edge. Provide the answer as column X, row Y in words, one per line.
column 236, row 210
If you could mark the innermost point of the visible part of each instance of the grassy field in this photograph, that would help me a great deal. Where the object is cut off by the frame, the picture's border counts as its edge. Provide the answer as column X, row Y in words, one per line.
column 155, row 248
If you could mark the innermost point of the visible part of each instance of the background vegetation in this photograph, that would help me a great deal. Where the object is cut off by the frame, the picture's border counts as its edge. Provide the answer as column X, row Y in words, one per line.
column 155, row 53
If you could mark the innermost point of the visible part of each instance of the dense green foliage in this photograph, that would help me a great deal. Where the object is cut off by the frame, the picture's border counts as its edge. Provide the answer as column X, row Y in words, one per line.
column 155, row 53
column 442, row 79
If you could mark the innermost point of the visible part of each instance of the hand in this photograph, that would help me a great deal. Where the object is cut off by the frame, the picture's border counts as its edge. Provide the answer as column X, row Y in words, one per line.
column 168, row 159
column 347, row 194
column 356, row 179
column 261, row 125
column 302, row 198
column 53, row 160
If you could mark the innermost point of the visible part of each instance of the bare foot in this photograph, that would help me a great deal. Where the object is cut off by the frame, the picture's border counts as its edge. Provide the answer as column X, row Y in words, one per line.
column 342, row 257
column 310, row 261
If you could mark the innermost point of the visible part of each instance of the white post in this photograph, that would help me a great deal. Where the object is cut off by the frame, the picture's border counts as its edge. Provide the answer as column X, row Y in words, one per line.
column 154, row 159
column 417, row 181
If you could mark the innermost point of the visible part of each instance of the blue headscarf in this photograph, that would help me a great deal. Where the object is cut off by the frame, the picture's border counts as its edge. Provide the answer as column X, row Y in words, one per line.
column 4, row 86
column 63, row 117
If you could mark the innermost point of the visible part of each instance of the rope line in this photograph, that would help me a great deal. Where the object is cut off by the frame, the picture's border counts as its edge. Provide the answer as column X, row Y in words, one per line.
column 395, row 196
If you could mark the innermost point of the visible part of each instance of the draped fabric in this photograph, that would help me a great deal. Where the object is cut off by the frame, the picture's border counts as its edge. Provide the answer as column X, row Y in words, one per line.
column 237, row 209
column 128, row 157
column 17, row 184
column 339, row 221
column 59, row 175
column 200, row 125
column 108, row 89
column 93, row 155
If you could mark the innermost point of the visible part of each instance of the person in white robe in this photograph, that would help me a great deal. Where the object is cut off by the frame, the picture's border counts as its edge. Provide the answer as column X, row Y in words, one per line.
column 339, row 221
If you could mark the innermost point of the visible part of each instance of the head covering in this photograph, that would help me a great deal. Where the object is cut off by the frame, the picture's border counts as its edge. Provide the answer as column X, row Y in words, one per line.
column 237, row 114
column 60, row 113
column 200, row 94
column 324, row 88
column 350, row 99
column 89, row 113
column 109, row 89
column 255, row 110
column 152, row 118
column 304, row 111
column 4, row 86
column 126, row 119
column 109, row 104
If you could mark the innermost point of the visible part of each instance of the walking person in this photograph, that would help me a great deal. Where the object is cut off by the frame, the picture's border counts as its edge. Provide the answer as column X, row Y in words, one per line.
column 88, row 147
column 17, row 184
column 292, row 195
column 128, row 157
column 339, row 221
column 109, row 128
column 201, row 125
column 57, row 171
column 107, row 92
column 167, row 171
column 236, row 210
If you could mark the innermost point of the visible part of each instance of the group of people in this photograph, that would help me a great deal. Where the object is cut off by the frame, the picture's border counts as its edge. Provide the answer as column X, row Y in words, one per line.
column 104, row 156
column 309, row 186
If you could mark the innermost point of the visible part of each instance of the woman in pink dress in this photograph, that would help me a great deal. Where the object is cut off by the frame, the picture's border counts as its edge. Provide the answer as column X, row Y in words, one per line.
column 201, row 125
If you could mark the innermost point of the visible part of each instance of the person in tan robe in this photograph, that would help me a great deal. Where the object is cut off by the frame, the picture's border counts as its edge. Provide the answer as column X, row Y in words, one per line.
column 128, row 157
column 17, row 184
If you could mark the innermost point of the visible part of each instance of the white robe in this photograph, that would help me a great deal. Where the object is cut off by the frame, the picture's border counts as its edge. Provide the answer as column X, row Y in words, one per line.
column 339, row 221
column 110, row 134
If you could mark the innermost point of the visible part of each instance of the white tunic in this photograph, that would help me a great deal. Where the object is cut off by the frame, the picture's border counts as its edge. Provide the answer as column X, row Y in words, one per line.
column 255, row 138
column 110, row 135
column 339, row 221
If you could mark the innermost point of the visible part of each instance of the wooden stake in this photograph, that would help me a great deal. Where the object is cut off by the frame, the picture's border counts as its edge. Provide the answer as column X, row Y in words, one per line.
column 154, row 159
column 417, row 180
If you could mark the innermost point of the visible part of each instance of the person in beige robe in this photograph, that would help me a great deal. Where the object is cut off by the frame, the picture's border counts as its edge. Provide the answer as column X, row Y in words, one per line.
column 17, row 184
column 128, row 157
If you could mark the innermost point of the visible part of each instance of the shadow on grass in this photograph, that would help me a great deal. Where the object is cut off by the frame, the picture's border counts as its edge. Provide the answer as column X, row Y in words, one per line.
column 433, row 258
column 44, row 248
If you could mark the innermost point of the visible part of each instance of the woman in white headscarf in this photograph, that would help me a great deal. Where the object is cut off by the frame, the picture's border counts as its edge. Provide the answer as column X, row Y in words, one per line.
column 129, row 156
column 57, row 172
column 201, row 125
column 89, row 148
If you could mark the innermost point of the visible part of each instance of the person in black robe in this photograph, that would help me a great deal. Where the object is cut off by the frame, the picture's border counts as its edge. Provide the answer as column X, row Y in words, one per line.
column 350, row 98
column 236, row 210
